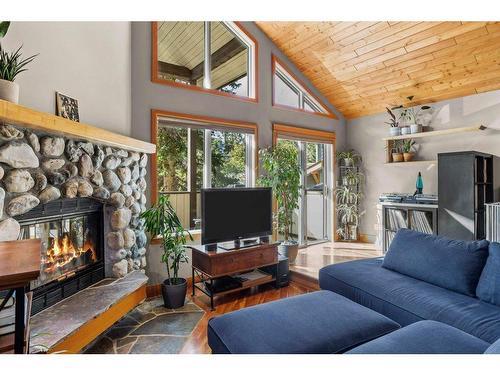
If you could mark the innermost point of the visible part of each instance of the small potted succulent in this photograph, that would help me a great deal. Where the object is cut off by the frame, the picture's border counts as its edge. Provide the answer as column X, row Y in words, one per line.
column 408, row 148
column 397, row 153
column 394, row 129
column 349, row 158
column 162, row 221
column 11, row 64
column 282, row 167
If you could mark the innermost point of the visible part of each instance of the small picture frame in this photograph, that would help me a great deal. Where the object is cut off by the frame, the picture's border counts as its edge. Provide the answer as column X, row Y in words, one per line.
column 67, row 107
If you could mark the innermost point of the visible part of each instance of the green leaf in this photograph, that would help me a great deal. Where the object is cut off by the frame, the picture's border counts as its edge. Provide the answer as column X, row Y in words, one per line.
column 4, row 27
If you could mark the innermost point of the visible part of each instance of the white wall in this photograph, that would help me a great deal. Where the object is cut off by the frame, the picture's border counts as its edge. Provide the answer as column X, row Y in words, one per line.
column 365, row 135
column 89, row 61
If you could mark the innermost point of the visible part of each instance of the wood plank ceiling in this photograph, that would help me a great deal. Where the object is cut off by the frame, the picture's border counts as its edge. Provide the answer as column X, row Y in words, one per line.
column 362, row 67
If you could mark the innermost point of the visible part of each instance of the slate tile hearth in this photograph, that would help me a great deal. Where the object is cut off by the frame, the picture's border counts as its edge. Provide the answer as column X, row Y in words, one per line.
column 149, row 329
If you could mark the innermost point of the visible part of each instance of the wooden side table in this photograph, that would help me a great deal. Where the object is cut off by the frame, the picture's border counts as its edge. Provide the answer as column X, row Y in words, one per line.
column 209, row 265
column 19, row 265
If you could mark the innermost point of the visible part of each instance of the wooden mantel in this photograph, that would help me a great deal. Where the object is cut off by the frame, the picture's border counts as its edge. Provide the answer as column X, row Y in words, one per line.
column 15, row 114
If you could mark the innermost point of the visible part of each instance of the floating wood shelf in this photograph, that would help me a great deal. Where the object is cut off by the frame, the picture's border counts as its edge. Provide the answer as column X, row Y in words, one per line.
column 414, row 162
column 435, row 133
column 15, row 114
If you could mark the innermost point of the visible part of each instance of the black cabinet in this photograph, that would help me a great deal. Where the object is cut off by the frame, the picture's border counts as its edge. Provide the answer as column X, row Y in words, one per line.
column 465, row 183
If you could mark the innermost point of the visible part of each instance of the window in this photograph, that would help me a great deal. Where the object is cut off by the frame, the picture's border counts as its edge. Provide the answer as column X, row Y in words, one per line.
column 217, row 56
column 288, row 92
column 194, row 154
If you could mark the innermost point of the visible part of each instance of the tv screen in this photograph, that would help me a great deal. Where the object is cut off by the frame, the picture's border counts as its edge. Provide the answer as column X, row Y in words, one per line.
column 231, row 214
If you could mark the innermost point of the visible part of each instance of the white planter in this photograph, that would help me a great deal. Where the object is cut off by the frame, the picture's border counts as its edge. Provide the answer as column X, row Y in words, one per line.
column 416, row 128
column 405, row 130
column 9, row 91
column 394, row 131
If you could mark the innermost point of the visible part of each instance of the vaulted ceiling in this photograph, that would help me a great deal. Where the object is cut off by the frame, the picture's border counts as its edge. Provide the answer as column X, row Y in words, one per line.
column 362, row 67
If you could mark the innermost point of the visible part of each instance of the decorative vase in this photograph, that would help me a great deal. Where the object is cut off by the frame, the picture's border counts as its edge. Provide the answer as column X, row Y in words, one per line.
column 397, row 157
column 289, row 251
column 415, row 128
column 405, row 130
column 9, row 91
column 408, row 156
column 394, row 131
column 174, row 294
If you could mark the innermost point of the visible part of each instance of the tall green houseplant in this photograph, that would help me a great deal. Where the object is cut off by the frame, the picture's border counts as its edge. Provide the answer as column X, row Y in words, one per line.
column 282, row 168
column 162, row 221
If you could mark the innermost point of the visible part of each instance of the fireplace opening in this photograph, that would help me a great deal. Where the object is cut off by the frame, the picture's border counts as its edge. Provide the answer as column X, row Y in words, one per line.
column 71, row 233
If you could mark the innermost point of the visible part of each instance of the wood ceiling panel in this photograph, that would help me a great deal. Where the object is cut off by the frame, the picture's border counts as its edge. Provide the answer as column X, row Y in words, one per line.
column 362, row 67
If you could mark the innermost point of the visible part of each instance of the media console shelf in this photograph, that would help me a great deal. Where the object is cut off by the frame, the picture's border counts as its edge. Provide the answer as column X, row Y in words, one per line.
column 210, row 265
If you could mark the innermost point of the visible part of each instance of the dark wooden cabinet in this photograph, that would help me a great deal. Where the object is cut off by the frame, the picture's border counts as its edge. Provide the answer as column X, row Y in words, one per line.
column 466, row 181
column 209, row 265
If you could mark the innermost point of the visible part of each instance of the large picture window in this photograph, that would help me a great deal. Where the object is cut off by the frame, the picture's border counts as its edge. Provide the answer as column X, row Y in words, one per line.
column 195, row 154
column 289, row 93
column 215, row 56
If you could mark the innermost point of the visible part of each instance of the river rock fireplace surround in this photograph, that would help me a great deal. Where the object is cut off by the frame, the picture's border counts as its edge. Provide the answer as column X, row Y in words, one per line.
column 81, row 198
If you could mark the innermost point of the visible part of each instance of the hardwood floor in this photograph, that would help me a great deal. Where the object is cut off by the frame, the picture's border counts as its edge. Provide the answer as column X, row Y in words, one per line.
column 312, row 258
column 197, row 342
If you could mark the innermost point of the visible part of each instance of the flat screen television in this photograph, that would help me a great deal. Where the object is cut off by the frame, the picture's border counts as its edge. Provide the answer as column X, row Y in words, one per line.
column 235, row 213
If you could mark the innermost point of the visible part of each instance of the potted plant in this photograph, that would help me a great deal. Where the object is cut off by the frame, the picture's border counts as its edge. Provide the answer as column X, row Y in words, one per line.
column 394, row 129
column 281, row 164
column 408, row 149
column 350, row 157
column 397, row 153
column 162, row 221
column 11, row 64
column 347, row 212
column 352, row 177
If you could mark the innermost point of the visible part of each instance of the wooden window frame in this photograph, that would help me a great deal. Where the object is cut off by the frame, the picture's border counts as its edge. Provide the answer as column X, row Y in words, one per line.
column 277, row 61
column 220, row 122
column 310, row 135
column 154, row 68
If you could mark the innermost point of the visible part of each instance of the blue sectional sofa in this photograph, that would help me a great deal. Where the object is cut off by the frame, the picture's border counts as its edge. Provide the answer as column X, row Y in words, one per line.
column 425, row 277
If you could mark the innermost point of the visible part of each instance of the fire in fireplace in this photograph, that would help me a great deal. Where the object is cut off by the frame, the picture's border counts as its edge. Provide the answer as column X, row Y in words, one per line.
column 72, row 248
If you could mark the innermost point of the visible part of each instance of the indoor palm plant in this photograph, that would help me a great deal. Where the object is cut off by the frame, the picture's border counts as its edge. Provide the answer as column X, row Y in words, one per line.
column 11, row 64
column 282, row 168
column 162, row 221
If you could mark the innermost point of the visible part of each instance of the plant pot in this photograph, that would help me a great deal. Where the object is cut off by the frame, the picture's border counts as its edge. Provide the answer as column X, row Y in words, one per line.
column 9, row 91
column 174, row 293
column 348, row 162
column 415, row 128
column 405, row 130
column 290, row 251
column 408, row 156
column 394, row 131
column 397, row 157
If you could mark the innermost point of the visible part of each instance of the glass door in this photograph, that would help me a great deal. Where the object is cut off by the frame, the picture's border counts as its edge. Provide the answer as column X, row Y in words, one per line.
column 312, row 220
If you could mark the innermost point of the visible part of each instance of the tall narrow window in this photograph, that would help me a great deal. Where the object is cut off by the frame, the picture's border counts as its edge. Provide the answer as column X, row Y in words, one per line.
column 217, row 56
column 193, row 155
column 290, row 93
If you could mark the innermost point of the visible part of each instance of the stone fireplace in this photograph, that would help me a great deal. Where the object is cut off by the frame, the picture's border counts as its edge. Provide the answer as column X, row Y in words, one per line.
column 82, row 199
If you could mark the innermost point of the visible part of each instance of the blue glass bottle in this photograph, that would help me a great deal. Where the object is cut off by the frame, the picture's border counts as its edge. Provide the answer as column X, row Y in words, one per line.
column 419, row 184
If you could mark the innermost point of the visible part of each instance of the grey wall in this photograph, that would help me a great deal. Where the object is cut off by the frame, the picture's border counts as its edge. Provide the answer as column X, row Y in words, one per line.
column 89, row 61
column 147, row 95
column 365, row 135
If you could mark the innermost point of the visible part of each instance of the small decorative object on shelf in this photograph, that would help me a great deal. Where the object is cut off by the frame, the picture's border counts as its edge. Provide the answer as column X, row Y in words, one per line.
column 419, row 184
column 162, row 220
column 11, row 64
column 408, row 148
column 394, row 130
column 67, row 107
column 348, row 195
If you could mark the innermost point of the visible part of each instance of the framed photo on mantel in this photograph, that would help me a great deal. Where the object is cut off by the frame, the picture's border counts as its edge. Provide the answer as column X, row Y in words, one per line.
column 67, row 107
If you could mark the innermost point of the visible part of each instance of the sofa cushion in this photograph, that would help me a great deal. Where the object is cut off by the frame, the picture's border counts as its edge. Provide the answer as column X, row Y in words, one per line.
column 488, row 288
column 319, row 322
column 407, row 300
column 424, row 337
column 451, row 264
column 493, row 348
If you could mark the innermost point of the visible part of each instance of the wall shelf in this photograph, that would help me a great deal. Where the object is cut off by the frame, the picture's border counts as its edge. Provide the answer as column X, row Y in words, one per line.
column 412, row 163
column 15, row 114
column 391, row 141
column 436, row 133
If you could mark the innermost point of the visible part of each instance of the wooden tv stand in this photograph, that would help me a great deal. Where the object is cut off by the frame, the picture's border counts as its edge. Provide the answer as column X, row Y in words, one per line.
column 208, row 265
